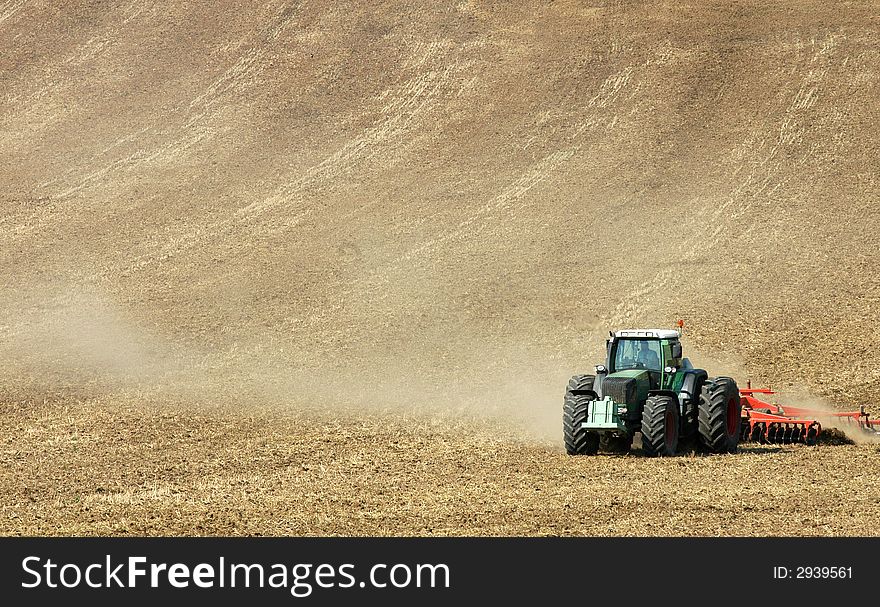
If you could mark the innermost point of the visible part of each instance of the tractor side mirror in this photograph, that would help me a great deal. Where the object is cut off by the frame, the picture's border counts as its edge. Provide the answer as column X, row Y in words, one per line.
column 676, row 350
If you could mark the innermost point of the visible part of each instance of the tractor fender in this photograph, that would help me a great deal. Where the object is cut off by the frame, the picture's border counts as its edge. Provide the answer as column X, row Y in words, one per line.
column 689, row 398
column 671, row 393
column 693, row 381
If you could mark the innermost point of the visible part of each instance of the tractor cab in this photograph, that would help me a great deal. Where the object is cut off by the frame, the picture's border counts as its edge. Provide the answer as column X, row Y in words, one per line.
column 655, row 351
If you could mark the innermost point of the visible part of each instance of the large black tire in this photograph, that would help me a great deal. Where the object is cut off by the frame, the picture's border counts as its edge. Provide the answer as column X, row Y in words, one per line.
column 578, row 441
column 660, row 426
column 720, row 415
column 580, row 382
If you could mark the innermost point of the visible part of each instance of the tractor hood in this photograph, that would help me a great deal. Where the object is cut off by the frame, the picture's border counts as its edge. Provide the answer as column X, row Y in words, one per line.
column 635, row 374
column 627, row 387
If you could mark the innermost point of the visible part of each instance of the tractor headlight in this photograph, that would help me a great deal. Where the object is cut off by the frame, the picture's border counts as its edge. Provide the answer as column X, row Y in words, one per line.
column 600, row 369
column 621, row 409
column 670, row 369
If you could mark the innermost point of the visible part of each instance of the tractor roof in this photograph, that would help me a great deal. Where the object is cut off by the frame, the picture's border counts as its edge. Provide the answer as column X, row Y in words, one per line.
column 649, row 333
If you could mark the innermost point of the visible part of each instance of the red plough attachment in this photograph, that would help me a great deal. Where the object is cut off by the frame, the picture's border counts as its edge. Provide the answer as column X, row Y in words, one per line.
column 764, row 422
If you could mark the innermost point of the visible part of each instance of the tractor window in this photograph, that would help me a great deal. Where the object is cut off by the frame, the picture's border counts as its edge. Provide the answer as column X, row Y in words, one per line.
column 637, row 354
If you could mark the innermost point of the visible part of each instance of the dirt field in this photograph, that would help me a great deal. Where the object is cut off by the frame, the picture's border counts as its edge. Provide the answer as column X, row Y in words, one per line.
column 324, row 268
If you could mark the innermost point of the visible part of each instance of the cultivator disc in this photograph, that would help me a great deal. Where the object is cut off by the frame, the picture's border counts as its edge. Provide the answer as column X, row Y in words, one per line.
column 763, row 422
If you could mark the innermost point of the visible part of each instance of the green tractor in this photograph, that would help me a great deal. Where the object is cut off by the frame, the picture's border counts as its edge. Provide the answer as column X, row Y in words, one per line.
column 646, row 386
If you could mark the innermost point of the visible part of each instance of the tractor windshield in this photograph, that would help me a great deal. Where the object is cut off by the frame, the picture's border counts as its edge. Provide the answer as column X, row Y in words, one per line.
column 637, row 354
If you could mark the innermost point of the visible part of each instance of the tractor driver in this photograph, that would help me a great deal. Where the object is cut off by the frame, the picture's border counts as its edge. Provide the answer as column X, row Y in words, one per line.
column 647, row 356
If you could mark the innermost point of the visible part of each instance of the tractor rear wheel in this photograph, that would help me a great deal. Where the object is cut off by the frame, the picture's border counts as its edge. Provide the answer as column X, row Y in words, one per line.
column 660, row 426
column 575, row 411
column 720, row 415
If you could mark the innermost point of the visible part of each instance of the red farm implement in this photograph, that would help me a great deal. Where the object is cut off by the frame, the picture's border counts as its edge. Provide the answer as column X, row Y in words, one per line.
column 765, row 422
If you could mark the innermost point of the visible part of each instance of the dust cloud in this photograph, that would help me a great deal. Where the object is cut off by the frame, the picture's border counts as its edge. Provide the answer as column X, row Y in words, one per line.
column 82, row 344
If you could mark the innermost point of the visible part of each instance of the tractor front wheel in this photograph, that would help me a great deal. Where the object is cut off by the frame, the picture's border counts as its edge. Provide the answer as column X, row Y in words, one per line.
column 660, row 426
column 575, row 411
column 579, row 383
